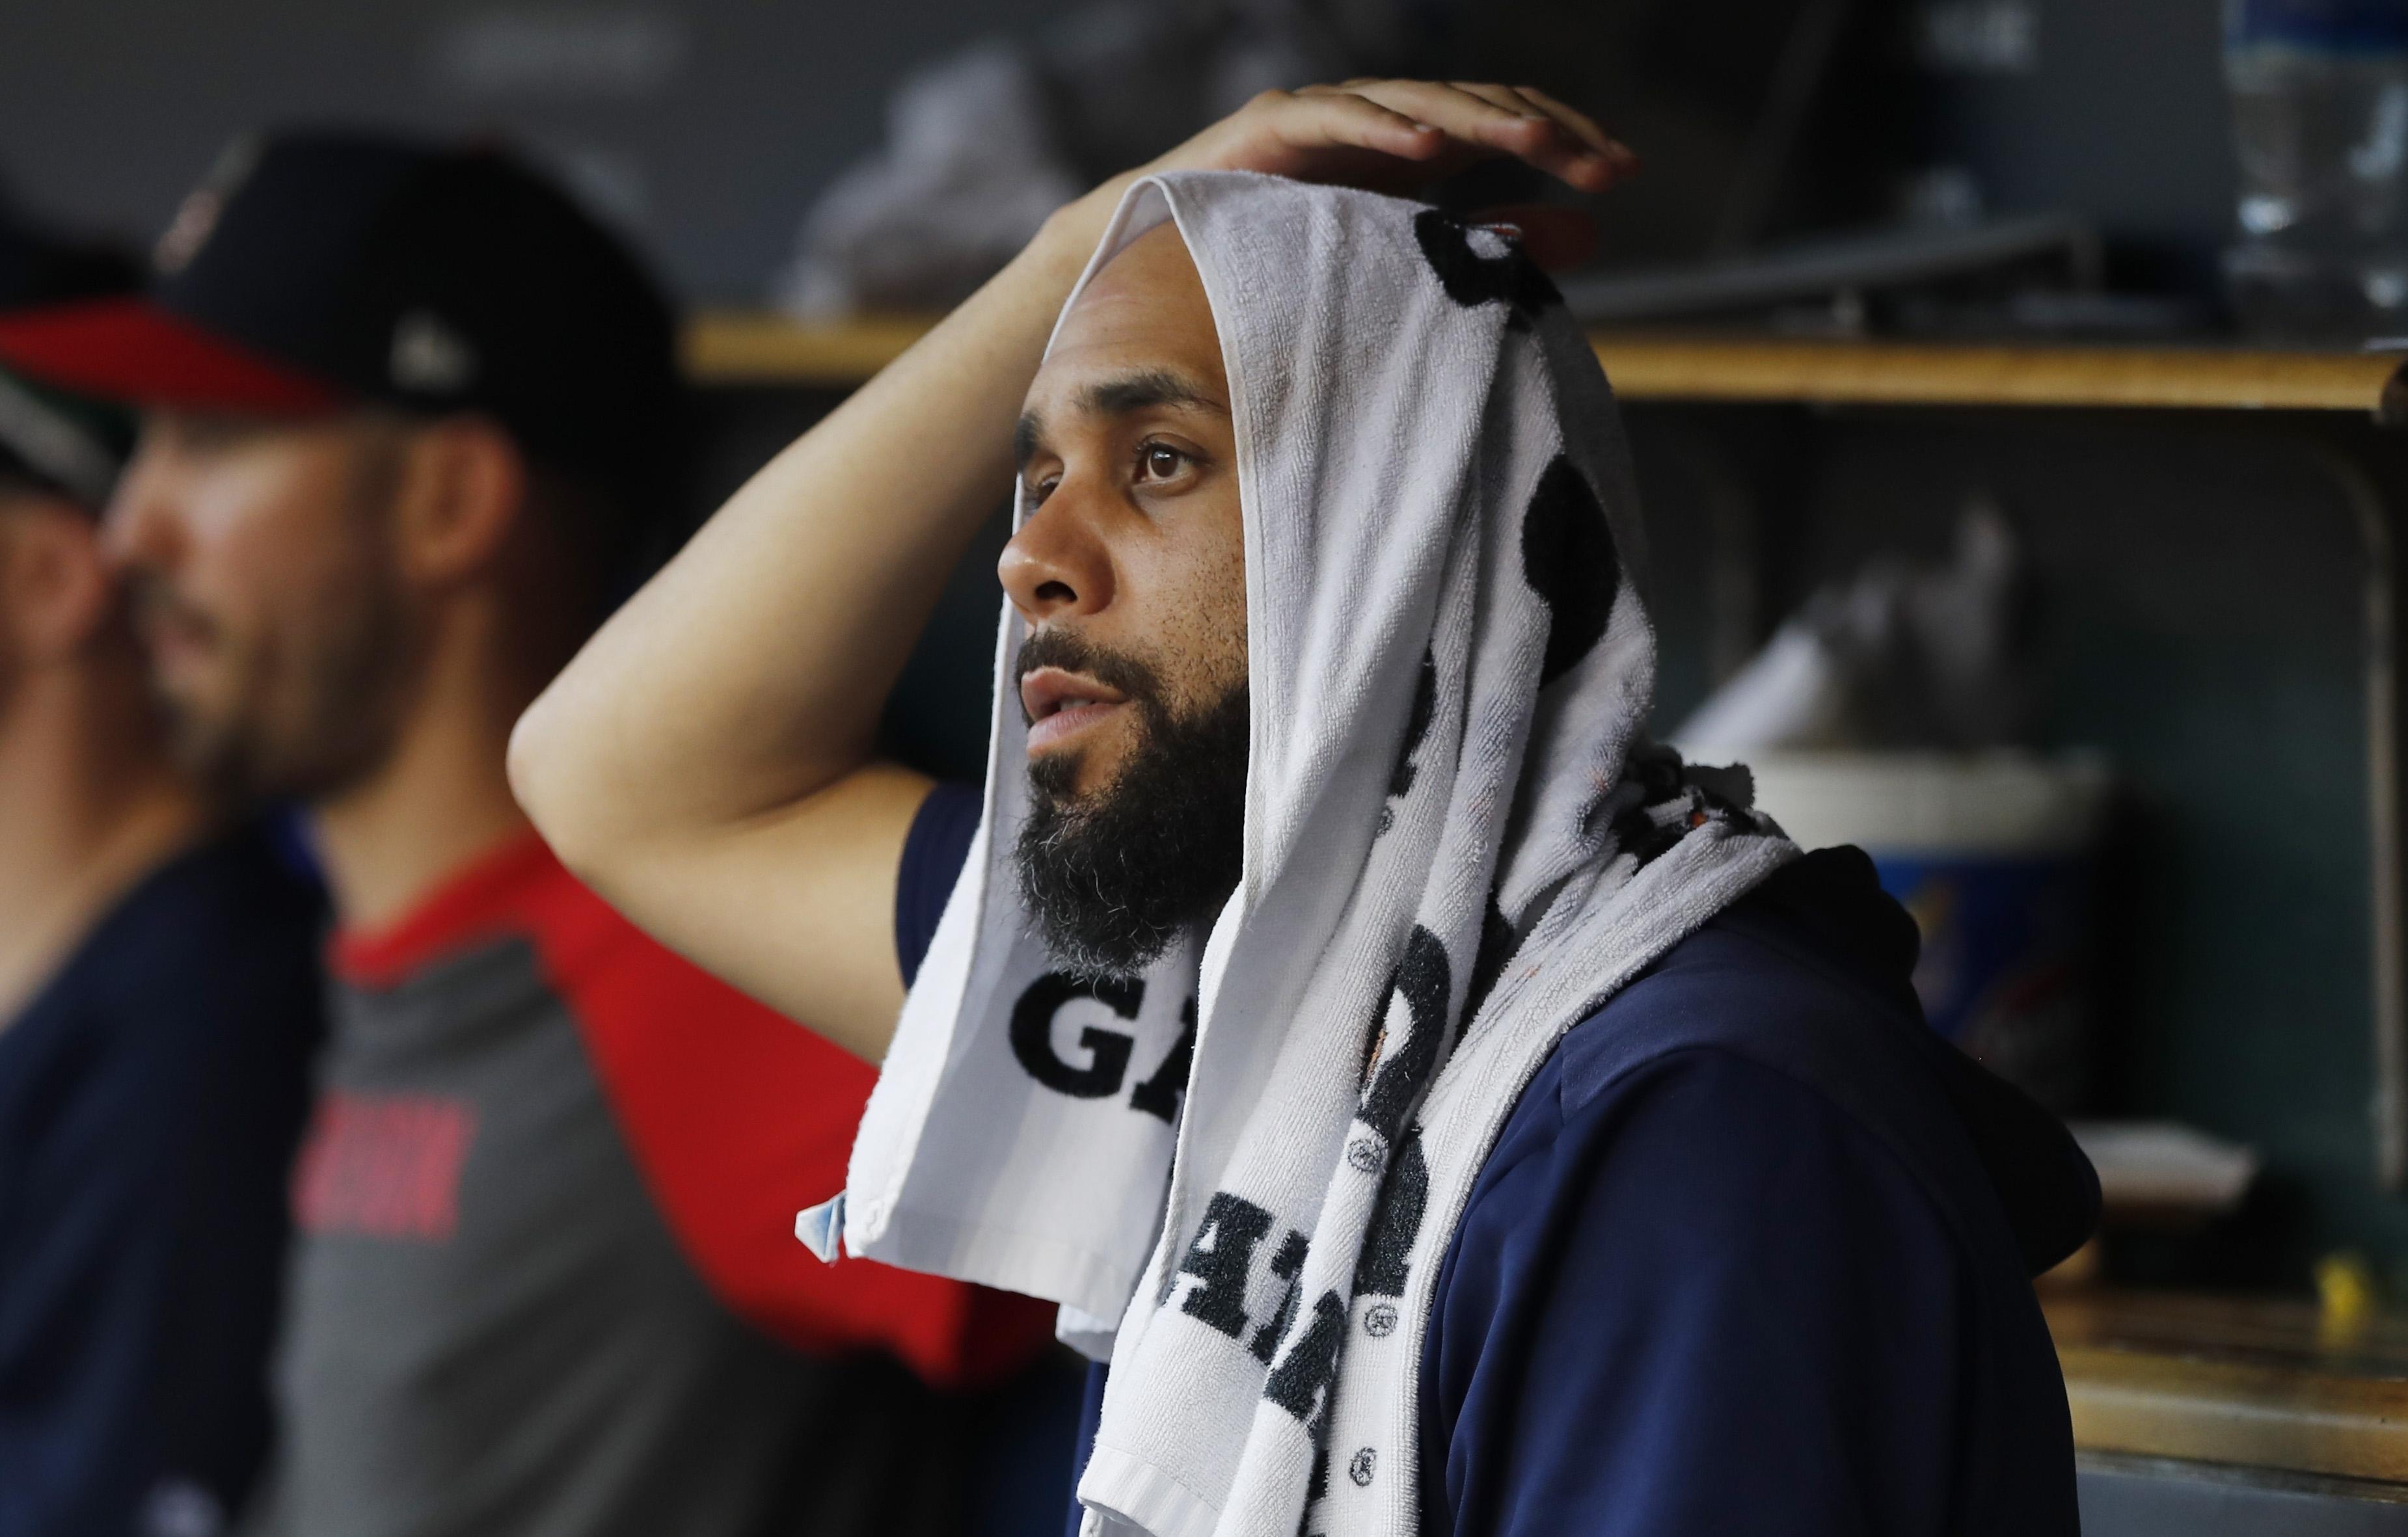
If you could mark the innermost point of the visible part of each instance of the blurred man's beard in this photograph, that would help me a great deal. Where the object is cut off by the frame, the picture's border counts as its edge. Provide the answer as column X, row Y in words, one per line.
column 1111, row 879
column 312, row 728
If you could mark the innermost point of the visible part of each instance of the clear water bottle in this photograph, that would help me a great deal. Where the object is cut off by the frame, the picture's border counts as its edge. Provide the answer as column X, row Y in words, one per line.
column 2321, row 122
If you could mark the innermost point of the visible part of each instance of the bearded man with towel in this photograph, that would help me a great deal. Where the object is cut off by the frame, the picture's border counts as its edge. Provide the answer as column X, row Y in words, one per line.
column 1442, row 1108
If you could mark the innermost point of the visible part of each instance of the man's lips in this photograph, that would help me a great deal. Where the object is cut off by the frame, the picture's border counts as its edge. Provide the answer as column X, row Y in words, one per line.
column 171, row 635
column 1061, row 703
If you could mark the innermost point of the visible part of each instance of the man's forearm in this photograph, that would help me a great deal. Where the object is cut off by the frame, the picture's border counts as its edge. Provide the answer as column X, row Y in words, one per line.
column 749, row 672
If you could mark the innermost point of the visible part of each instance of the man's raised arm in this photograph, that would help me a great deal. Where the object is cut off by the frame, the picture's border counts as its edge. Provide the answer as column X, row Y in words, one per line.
column 707, row 762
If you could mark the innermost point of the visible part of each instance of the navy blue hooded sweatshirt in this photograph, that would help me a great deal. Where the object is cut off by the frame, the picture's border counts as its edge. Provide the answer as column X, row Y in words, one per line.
column 151, row 1096
column 1752, row 1254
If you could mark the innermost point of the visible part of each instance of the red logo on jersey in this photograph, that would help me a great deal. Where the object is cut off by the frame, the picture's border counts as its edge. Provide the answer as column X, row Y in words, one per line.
column 384, row 1165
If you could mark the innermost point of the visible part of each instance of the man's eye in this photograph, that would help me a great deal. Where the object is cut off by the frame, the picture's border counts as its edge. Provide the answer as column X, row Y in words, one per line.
column 1159, row 462
column 199, row 434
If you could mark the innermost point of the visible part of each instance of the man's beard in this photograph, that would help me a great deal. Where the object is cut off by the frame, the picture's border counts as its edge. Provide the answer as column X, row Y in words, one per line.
column 1112, row 877
column 311, row 727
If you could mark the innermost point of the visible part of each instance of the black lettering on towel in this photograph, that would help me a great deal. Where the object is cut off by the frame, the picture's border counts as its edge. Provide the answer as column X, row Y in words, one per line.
column 1424, row 981
column 1417, row 725
column 1568, row 559
column 1497, row 941
column 1300, row 1383
column 1471, row 279
column 1221, row 1256
column 1159, row 1095
column 1287, row 1264
column 1636, row 834
column 1395, row 1223
column 1108, row 1059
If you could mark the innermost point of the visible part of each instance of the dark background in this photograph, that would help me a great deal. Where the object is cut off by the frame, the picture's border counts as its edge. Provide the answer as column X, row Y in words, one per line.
column 707, row 126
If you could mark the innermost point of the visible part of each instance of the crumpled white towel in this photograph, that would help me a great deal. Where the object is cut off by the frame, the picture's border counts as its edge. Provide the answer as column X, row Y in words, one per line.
column 1457, row 844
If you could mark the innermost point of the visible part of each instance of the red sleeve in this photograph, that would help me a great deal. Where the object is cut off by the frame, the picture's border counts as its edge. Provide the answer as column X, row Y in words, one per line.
column 739, row 1118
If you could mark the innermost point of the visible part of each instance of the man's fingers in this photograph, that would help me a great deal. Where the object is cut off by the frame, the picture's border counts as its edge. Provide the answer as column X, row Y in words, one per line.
column 1555, row 149
column 1582, row 126
column 1578, row 152
column 1332, row 117
column 1506, row 120
column 1400, row 134
column 1456, row 112
column 1499, row 95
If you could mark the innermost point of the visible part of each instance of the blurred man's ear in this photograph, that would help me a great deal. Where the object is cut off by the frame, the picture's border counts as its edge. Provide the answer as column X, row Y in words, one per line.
column 460, row 495
column 56, row 591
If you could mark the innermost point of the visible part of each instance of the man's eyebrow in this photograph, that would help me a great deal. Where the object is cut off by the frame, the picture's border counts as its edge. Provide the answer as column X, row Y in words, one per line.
column 1143, row 391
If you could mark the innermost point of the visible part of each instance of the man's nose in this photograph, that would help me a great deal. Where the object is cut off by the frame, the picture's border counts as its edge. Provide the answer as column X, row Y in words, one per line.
column 140, row 527
column 1057, row 564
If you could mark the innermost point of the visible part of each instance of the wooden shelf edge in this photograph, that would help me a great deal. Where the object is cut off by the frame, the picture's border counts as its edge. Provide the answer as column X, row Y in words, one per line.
column 726, row 347
column 731, row 349
column 1840, row 372
column 2151, row 1405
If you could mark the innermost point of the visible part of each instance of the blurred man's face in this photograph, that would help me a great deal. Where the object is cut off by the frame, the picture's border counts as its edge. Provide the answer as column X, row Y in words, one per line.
column 17, row 509
column 1130, row 572
column 268, row 596
column 58, row 603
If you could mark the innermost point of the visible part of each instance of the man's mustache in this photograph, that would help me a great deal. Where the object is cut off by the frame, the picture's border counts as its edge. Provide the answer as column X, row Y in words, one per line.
column 153, row 602
column 1132, row 679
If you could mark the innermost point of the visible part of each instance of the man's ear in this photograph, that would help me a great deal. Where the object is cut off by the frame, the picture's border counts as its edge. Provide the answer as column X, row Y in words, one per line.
column 56, row 593
column 461, row 491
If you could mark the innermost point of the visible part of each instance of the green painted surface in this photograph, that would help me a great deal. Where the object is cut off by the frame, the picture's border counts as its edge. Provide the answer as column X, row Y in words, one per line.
column 2199, row 619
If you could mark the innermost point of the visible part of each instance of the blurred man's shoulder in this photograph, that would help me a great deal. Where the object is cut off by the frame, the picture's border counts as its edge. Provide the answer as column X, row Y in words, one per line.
column 221, row 928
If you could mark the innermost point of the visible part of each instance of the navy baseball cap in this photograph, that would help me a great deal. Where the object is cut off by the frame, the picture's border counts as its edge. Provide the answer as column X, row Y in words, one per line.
column 314, row 271
column 57, row 442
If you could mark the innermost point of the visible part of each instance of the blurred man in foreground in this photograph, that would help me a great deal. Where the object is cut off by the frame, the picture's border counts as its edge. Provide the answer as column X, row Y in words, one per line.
column 408, row 413
column 159, row 1001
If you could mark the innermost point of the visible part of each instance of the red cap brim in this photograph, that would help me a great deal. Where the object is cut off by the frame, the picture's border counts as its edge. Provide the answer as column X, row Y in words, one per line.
column 132, row 350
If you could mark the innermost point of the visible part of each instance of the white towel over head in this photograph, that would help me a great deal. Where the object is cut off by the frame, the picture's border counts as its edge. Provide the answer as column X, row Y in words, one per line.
column 1457, row 844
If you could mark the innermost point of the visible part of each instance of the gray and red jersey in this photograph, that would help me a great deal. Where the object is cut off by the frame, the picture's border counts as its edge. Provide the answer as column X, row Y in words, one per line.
column 546, row 1281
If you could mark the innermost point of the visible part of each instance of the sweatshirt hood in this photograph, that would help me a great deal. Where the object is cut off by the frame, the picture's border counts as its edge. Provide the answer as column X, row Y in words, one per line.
column 2044, row 1182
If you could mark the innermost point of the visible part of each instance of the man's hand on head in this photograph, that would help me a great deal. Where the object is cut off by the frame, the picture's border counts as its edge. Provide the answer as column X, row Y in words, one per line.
column 1399, row 136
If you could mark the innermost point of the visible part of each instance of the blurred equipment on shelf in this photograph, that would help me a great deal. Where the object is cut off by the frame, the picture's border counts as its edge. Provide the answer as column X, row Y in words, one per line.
column 1993, row 854
column 2320, row 124
column 1901, row 657
column 982, row 145
column 2038, row 276
column 2164, row 1174
column 1884, row 714
column 1818, row 283
column 1758, row 120
column 2349, row 1299
column 966, row 176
